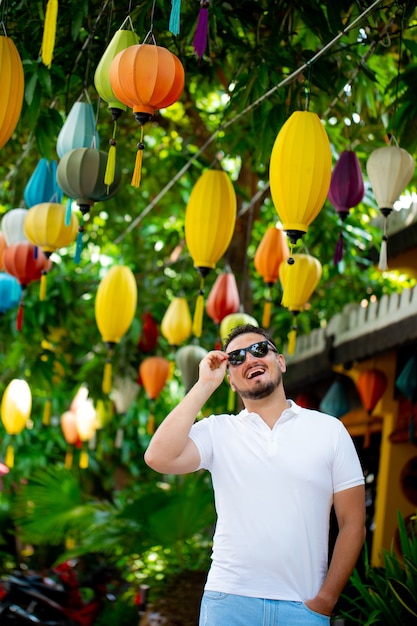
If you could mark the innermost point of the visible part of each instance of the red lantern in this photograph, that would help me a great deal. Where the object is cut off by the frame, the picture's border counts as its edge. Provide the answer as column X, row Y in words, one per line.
column 146, row 78
column 371, row 385
column 223, row 298
column 270, row 253
column 149, row 335
column 153, row 372
column 27, row 263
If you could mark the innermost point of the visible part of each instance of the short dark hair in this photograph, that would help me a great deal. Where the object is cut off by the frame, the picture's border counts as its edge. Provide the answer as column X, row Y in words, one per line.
column 243, row 329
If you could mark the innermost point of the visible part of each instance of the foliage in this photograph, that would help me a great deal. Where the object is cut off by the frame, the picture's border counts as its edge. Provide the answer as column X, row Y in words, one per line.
column 387, row 595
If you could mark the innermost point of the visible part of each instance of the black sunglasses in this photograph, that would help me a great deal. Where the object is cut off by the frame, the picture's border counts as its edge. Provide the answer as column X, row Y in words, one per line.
column 258, row 350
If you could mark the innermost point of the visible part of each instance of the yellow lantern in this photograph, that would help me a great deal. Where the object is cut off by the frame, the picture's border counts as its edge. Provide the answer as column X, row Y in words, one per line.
column 389, row 169
column 16, row 406
column 300, row 172
column 210, row 219
column 12, row 88
column 115, row 307
column 298, row 280
column 85, row 420
column 176, row 325
column 230, row 322
column 45, row 226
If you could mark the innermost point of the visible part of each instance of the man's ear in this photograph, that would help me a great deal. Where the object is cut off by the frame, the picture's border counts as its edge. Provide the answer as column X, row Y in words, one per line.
column 230, row 383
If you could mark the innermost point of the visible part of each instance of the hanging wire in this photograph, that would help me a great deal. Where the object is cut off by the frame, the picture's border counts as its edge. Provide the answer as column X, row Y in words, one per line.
column 290, row 78
column 150, row 32
column 394, row 123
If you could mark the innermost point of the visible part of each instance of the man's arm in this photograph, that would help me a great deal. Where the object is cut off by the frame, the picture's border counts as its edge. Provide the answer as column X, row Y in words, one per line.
column 171, row 451
column 349, row 507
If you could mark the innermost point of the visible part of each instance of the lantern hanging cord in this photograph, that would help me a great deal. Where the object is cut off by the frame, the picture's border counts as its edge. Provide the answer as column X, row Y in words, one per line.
column 397, row 84
column 246, row 110
column 150, row 32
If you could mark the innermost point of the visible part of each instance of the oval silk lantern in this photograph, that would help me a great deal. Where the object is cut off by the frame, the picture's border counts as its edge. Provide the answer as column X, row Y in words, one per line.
column 78, row 130
column 270, row 253
column 298, row 280
column 12, row 225
column 42, row 185
column 346, row 191
column 10, row 292
column 233, row 320
column 210, row 219
column 371, row 385
column 115, row 307
column 146, row 78
column 389, row 169
column 121, row 40
column 45, row 226
column 16, row 406
column 148, row 338
column 153, row 372
column 299, row 172
column 70, row 432
column 3, row 246
column 188, row 359
column 223, row 298
column 176, row 325
column 12, row 88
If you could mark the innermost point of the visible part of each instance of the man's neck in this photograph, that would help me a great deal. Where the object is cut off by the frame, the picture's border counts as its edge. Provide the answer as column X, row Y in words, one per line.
column 269, row 408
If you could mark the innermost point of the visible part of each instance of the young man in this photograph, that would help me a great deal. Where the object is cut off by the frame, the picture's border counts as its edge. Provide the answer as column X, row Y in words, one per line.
column 277, row 469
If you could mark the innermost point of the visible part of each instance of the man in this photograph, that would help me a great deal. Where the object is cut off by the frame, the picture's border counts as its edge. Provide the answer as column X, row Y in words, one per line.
column 277, row 469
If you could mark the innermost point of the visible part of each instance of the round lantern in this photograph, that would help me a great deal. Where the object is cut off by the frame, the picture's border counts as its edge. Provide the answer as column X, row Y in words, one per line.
column 146, row 78
column 176, row 325
column 10, row 292
column 12, row 225
column 80, row 175
column 121, row 40
column 45, row 226
column 3, row 246
column 389, row 169
column 223, row 298
column 270, row 253
column 210, row 219
column 27, row 263
column 300, row 171
column 42, row 185
column 230, row 322
column 115, row 307
column 16, row 406
column 12, row 88
column 153, row 372
column 85, row 420
column 298, row 281
column 188, row 360
column 78, row 130
column 346, row 190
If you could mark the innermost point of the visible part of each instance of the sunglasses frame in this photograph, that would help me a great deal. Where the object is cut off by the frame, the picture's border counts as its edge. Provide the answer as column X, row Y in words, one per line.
column 269, row 346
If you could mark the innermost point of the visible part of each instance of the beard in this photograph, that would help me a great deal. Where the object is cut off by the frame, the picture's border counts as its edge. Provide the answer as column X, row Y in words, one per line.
column 261, row 390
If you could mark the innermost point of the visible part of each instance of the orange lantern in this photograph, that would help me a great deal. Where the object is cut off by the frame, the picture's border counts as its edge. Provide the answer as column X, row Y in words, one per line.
column 45, row 226
column 176, row 325
column 115, row 307
column 16, row 406
column 270, row 253
column 210, row 219
column 371, row 385
column 3, row 246
column 298, row 280
column 27, row 264
column 12, row 88
column 146, row 78
column 153, row 372
column 70, row 432
column 300, row 172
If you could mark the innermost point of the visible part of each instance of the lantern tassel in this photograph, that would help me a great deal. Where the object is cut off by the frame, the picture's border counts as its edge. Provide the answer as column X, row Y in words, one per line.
column 42, row 287
column 68, row 212
column 107, row 377
column 231, row 401
column 83, row 463
column 79, row 241
column 9, row 460
column 174, row 18
column 46, row 417
column 49, row 32
column 198, row 315
column 111, row 160
column 338, row 253
column 266, row 318
column 383, row 265
column 292, row 336
column 19, row 319
column 150, row 426
column 68, row 459
column 137, row 172
column 118, row 440
column 200, row 37
column 286, row 294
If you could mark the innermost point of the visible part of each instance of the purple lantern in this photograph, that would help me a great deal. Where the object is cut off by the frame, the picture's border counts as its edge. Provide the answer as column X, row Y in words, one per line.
column 346, row 190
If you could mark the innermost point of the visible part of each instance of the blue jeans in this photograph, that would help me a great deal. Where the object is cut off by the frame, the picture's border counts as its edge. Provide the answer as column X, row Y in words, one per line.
column 226, row 609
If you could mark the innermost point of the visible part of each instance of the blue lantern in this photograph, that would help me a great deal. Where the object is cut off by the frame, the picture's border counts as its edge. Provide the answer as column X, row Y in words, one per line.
column 10, row 292
column 79, row 130
column 42, row 185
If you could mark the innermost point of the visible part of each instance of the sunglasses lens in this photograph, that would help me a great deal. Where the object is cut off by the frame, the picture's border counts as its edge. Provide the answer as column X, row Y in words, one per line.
column 237, row 357
column 259, row 349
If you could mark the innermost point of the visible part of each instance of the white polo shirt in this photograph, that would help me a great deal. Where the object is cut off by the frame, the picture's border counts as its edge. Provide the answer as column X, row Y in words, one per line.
column 273, row 494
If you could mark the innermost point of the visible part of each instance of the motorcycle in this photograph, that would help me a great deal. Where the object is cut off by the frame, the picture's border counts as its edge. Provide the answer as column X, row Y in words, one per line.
column 55, row 600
